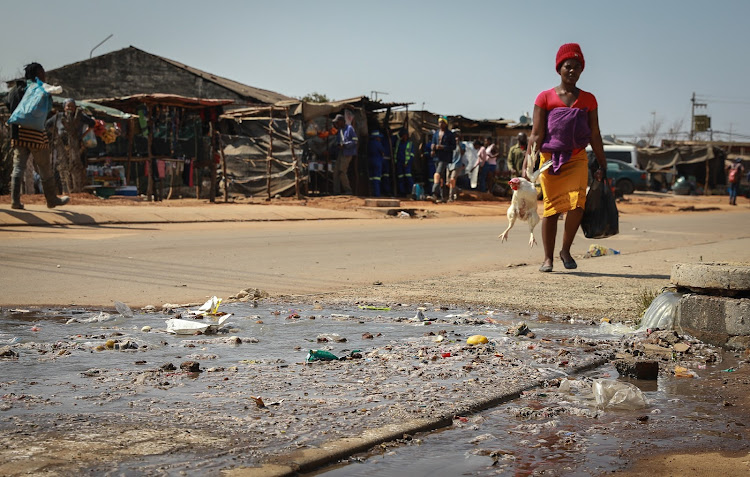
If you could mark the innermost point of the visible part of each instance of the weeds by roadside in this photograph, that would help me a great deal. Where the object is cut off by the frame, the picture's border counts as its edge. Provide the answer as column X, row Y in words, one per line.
column 642, row 301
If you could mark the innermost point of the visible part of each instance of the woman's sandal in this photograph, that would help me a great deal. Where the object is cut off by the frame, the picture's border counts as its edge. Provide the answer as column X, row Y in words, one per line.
column 545, row 268
column 569, row 265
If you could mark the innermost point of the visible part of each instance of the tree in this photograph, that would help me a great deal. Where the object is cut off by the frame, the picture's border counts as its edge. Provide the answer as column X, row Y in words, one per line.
column 675, row 130
column 651, row 130
column 315, row 97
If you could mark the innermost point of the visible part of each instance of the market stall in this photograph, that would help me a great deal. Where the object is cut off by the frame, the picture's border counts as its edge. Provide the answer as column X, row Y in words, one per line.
column 168, row 146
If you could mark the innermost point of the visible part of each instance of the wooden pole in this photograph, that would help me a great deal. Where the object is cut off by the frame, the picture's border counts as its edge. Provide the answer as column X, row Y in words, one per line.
column 706, row 187
column 212, row 192
column 328, row 157
column 295, row 164
column 131, row 133
column 356, row 161
column 223, row 166
column 150, row 193
column 406, row 126
column 387, row 127
column 270, row 153
column 175, row 132
column 197, row 129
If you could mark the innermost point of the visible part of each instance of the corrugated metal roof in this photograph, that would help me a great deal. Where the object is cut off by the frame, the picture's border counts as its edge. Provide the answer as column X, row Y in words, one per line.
column 249, row 92
column 261, row 95
column 131, row 102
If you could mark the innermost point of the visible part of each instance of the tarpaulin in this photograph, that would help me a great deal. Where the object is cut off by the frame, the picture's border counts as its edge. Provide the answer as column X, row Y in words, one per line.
column 247, row 158
column 685, row 160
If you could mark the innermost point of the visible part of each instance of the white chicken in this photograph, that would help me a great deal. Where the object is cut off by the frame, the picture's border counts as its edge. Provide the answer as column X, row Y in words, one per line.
column 523, row 204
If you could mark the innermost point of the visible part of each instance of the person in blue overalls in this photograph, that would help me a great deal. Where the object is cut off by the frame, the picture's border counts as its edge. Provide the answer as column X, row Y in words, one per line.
column 404, row 151
column 429, row 162
column 376, row 156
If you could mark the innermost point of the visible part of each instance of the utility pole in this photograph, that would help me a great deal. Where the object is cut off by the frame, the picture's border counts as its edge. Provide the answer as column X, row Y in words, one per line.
column 692, row 114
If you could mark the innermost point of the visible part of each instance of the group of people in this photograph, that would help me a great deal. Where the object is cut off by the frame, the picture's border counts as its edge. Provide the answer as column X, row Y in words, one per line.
column 379, row 153
column 470, row 165
column 450, row 162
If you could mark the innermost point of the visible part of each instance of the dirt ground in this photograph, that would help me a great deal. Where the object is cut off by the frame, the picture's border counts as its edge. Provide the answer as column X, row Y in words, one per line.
column 596, row 296
column 638, row 203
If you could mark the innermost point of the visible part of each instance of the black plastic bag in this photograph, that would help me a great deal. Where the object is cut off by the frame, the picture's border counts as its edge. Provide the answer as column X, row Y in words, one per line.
column 600, row 217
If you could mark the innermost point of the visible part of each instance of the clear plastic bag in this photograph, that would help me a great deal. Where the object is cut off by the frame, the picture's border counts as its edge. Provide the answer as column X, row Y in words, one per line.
column 611, row 394
column 661, row 313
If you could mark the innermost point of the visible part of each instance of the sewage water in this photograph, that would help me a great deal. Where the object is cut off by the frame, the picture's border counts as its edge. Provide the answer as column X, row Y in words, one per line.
column 545, row 433
column 62, row 382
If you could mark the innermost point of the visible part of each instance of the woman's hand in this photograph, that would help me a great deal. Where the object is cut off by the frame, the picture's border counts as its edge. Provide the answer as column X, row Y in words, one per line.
column 599, row 174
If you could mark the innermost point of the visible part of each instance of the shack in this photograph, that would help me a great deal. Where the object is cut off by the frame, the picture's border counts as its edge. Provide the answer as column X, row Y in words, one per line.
column 276, row 150
column 132, row 71
column 702, row 164
column 169, row 143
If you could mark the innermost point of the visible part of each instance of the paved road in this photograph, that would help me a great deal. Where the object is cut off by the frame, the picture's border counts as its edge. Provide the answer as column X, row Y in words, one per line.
column 180, row 263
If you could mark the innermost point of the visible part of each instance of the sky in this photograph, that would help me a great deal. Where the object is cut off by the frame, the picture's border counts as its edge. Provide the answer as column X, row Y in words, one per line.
column 479, row 59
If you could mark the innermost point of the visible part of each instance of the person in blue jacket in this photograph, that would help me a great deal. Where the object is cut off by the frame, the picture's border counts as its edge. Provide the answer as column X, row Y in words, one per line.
column 443, row 145
column 429, row 162
column 376, row 156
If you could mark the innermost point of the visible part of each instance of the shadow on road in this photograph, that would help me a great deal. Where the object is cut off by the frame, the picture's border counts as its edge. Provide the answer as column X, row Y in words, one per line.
column 35, row 217
column 620, row 275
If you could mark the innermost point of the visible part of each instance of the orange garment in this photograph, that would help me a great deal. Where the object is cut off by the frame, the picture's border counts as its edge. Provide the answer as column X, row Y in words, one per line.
column 567, row 190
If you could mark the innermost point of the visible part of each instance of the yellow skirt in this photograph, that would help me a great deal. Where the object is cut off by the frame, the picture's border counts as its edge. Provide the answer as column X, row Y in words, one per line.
column 566, row 190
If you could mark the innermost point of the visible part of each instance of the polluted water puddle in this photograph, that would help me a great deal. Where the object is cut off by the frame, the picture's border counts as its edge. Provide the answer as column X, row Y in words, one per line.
column 273, row 378
column 561, row 429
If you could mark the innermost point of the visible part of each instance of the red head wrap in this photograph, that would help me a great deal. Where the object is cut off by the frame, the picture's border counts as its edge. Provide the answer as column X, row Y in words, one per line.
column 567, row 51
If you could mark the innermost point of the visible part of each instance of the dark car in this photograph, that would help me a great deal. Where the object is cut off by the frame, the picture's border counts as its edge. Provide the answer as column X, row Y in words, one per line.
column 625, row 177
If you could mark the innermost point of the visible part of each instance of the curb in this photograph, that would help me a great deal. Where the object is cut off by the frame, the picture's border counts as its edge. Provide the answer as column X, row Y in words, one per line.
column 307, row 460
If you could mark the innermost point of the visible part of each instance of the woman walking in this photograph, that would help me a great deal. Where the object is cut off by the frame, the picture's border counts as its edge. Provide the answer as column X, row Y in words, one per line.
column 566, row 120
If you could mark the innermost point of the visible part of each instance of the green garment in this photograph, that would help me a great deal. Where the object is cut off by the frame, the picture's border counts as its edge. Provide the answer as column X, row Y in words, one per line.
column 515, row 158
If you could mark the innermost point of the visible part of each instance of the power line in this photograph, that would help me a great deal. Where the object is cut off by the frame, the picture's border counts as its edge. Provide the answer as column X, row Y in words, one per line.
column 723, row 99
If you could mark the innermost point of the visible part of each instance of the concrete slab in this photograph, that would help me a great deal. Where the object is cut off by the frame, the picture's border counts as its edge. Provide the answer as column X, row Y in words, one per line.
column 721, row 277
column 382, row 203
column 714, row 320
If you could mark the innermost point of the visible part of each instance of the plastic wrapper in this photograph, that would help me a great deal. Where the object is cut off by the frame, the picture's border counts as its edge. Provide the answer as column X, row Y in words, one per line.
column 185, row 327
column 123, row 309
column 611, row 394
column 596, row 250
column 682, row 372
column 661, row 313
column 211, row 307
column 320, row 355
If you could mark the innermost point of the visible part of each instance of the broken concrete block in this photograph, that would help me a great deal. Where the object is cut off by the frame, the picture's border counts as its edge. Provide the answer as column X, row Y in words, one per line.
column 713, row 319
column 382, row 203
column 638, row 369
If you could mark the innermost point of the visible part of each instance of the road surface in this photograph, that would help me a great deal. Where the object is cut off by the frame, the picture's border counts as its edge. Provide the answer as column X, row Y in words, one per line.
column 185, row 263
